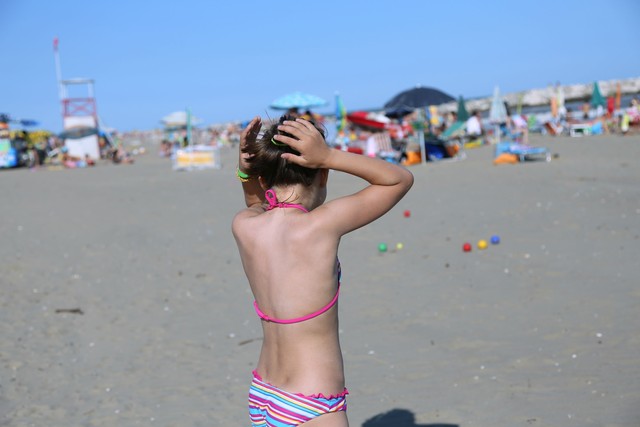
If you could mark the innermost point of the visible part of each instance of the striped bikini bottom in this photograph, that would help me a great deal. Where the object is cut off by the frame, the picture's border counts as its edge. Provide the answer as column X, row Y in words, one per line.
column 270, row 406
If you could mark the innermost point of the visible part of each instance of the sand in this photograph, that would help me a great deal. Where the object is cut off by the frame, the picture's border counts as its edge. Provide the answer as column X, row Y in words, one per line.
column 157, row 327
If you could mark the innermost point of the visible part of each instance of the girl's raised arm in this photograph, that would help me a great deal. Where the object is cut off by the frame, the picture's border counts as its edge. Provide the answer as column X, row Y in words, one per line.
column 388, row 182
column 253, row 193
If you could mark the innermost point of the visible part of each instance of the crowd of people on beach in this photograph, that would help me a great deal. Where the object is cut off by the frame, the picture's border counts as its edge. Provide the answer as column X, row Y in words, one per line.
column 38, row 149
column 395, row 139
column 445, row 134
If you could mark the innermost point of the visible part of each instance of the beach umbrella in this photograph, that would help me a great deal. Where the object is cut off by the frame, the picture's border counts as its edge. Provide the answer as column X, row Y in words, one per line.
column 368, row 119
column 297, row 100
column 179, row 119
column 463, row 114
column 398, row 112
column 498, row 112
column 27, row 122
column 596, row 97
column 418, row 97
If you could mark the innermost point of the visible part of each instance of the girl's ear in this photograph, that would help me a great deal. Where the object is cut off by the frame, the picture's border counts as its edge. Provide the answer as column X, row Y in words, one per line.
column 263, row 183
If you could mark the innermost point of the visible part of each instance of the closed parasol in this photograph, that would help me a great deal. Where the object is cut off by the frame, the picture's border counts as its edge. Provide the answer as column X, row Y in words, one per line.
column 498, row 112
column 596, row 97
column 463, row 114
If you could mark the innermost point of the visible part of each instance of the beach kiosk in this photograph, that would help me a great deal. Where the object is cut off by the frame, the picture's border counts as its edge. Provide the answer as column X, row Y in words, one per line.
column 186, row 154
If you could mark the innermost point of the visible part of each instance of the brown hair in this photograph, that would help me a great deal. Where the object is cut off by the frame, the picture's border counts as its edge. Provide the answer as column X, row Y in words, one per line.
column 265, row 158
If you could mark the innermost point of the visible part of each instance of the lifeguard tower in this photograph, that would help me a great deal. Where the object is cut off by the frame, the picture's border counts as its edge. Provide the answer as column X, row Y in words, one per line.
column 80, row 119
column 79, row 113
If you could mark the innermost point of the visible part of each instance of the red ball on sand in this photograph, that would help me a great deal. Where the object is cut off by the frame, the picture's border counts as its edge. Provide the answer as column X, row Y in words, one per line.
column 407, row 213
column 466, row 247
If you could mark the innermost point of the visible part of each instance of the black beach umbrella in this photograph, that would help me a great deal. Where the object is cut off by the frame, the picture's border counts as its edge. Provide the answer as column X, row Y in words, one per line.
column 398, row 112
column 418, row 97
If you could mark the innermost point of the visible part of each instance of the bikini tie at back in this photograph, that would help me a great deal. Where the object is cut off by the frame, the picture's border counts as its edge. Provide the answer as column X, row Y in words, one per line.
column 272, row 199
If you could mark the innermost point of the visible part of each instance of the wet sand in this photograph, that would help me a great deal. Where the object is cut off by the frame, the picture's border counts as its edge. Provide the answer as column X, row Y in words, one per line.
column 157, row 326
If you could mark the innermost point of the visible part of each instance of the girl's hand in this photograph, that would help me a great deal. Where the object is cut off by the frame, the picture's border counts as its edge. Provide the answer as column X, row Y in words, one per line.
column 248, row 136
column 308, row 141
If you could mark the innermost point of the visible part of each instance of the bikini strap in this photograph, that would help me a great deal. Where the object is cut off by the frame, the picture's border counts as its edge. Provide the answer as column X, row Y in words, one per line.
column 272, row 199
column 317, row 313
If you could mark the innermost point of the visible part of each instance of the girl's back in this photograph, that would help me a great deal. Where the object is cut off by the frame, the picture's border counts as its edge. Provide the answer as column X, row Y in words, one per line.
column 292, row 266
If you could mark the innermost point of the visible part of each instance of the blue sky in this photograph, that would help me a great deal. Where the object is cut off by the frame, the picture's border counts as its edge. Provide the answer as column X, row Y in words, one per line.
column 228, row 60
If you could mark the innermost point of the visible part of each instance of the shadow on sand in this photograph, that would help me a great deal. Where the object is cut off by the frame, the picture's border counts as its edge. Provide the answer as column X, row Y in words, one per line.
column 399, row 418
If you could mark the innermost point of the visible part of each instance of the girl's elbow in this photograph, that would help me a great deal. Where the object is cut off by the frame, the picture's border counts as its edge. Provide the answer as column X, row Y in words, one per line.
column 407, row 180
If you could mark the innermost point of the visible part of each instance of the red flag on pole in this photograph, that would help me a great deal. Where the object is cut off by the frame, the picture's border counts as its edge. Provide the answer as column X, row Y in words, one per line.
column 55, row 43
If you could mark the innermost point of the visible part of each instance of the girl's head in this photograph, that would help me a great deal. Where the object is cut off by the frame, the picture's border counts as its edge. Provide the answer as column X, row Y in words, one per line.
column 265, row 158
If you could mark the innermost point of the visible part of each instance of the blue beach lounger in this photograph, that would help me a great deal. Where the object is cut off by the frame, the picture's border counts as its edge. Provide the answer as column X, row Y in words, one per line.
column 523, row 152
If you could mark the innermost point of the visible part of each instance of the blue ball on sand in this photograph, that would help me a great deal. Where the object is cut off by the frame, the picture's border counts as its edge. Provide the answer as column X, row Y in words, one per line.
column 495, row 239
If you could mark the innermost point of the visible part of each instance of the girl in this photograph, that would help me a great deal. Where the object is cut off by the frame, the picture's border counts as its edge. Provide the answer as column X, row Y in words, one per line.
column 288, row 241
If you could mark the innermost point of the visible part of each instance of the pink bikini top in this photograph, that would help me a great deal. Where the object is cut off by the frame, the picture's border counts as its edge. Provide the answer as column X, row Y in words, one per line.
column 270, row 195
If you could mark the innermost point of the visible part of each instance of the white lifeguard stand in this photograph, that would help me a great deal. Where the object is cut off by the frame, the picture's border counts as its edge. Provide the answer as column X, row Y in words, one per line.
column 79, row 113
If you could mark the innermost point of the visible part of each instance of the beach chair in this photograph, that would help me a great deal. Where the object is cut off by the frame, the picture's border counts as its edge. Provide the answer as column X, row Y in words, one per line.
column 457, row 131
column 580, row 129
column 454, row 139
column 524, row 152
column 384, row 149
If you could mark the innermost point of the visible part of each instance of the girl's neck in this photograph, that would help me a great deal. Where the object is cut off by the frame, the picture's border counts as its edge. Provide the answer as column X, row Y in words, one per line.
column 296, row 194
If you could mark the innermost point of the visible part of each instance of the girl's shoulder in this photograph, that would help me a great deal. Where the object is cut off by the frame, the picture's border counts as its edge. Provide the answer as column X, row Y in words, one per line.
column 246, row 214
